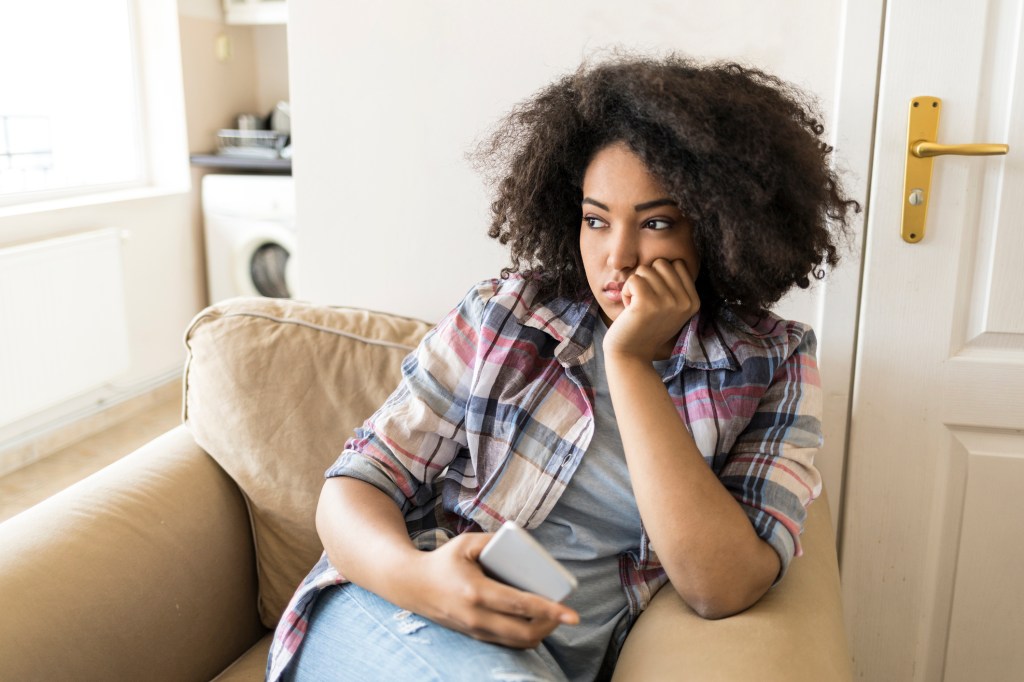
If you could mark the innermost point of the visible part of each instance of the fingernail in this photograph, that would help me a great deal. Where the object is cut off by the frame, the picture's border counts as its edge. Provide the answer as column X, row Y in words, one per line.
column 569, row 618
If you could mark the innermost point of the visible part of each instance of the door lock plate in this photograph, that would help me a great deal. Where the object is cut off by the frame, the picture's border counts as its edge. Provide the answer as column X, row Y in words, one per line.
column 917, row 183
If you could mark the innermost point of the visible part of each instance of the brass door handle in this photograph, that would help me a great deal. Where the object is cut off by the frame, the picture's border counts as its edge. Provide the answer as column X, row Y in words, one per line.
column 922, row 129
column 923, row 149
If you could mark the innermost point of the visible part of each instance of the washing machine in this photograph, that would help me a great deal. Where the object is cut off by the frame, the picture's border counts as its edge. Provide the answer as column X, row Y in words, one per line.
column 249, row 226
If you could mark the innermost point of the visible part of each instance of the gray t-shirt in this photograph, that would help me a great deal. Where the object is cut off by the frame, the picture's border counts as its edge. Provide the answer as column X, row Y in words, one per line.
column 594, row 522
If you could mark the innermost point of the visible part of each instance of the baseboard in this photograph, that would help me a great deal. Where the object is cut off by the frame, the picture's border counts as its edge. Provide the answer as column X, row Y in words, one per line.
column 77, row 421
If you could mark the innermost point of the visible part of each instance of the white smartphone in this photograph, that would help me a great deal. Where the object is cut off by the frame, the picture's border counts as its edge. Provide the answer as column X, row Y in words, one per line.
column 515, row 558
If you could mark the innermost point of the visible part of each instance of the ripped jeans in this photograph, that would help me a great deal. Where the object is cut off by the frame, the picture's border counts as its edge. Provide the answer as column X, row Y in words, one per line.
column 355, row 635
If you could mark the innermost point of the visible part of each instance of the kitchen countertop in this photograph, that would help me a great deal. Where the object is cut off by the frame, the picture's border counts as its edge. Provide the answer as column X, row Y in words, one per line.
column 242, row 163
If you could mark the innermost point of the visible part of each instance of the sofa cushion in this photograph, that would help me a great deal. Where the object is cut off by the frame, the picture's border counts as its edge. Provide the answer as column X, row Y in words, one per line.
column 794, row 633
column 273, row 388
column 142, row 571
column 250, row 666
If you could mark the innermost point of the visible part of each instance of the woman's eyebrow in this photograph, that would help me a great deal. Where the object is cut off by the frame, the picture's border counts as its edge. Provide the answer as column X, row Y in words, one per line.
column 651, row 204
column 639, row 207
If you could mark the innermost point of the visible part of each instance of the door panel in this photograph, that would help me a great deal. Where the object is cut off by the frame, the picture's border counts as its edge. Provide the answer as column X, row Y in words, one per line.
column 989, row 562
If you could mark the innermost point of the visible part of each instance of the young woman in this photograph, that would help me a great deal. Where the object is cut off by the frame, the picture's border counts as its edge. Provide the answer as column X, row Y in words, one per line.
column 621, row 391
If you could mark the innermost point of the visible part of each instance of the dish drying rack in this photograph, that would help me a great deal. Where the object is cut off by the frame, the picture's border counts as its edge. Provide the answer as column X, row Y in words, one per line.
column 264, row 144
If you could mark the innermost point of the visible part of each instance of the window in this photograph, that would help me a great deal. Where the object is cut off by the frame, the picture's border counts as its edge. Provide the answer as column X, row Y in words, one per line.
column 69, row 101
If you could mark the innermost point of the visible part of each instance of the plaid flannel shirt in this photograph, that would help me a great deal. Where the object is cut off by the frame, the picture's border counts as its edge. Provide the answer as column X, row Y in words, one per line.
column 494, row 413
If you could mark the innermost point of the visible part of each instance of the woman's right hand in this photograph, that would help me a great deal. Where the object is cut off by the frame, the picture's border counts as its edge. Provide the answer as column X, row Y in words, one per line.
column 366, row 540
column 448, row 586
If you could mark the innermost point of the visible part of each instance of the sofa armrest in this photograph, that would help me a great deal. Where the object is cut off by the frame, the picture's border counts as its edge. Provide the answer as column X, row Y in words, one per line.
column 143, row 571
column 794, row 633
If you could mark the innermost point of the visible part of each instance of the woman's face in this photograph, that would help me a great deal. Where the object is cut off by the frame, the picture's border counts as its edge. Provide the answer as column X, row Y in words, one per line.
column 628, row 221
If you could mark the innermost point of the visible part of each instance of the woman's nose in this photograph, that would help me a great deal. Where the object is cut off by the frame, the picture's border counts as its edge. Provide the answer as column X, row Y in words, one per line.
column 623, row 250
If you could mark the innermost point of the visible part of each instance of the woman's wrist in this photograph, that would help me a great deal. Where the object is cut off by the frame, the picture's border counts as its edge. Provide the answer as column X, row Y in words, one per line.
column 622, row 361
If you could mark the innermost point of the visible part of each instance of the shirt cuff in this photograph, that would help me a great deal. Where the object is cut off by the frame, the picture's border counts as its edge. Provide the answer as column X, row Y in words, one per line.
column 782, row 542
column 355, row 465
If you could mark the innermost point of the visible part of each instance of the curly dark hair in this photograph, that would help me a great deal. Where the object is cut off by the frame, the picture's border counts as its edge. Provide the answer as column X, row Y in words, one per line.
column 739, row 150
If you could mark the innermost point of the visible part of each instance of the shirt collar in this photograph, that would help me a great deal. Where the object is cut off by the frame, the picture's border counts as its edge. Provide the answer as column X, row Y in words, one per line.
column 569, row 321
column 707, row 344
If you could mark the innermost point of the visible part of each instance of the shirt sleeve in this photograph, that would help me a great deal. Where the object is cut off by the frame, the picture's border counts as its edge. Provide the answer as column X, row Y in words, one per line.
column 770, row 469
column 404, row 446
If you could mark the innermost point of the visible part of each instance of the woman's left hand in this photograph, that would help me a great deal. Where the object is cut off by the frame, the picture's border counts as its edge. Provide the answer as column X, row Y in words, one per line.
column 659, row 299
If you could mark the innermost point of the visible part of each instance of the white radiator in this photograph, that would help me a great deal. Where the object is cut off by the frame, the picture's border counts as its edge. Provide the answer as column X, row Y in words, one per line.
column 62, row 321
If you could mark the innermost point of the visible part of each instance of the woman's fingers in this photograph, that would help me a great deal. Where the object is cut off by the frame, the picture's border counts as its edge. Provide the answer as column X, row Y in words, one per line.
column 689, row 285
column 653, row 278
column 506, row 599
column 659, row 299
column 511, row 601
column 663, row 281
column 497, row 613
column 463, row 598
column 508, row 630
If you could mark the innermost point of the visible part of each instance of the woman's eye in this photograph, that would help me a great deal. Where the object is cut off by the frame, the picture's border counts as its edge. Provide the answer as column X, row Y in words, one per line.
column 658, row 224
column 593, row 222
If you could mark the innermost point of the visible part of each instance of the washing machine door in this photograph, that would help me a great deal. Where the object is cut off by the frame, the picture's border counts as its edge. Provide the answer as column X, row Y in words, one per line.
column 248, row 258
column 263, row 262
column 268, row 270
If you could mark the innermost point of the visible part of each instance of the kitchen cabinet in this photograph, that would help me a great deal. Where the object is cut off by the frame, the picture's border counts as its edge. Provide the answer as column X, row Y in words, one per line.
column 256, row 11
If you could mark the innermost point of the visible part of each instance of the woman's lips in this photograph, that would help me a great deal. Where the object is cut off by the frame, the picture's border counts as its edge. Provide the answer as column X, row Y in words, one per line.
column 613, row 291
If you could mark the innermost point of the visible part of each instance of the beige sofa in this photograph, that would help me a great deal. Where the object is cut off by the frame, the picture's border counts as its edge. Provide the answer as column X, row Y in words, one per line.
column 173, row 563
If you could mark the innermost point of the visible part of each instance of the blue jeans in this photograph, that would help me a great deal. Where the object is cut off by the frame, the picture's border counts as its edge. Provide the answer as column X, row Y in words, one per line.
column 355, row 635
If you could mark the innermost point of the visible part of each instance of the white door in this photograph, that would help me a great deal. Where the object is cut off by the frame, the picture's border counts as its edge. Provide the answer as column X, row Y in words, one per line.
column 932, row 546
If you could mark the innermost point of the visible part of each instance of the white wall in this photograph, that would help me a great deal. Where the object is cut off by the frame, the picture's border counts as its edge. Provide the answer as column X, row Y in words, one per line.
column 387, row 98
column 201, row 9
column 270, row 47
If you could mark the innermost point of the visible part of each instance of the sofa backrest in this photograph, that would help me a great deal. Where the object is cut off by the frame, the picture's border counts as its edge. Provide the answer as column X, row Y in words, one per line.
column 273, row 389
